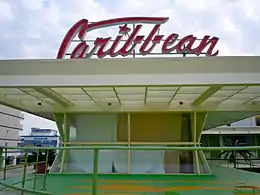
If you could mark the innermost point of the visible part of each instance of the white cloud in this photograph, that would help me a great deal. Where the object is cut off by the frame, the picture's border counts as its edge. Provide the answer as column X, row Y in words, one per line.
column 5, row 11
column 35, row 28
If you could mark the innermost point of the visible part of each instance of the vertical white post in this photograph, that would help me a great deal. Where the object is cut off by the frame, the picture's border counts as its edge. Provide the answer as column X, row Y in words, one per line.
column 66, row 129
column 195, row 140
column 14, row 160
column 128, row 143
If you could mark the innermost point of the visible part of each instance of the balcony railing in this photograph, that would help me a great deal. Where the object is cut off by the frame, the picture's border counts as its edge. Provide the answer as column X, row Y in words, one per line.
column 27, row 178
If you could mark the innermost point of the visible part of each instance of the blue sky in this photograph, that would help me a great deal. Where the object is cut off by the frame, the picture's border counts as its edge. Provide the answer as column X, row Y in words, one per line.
column 35, row 28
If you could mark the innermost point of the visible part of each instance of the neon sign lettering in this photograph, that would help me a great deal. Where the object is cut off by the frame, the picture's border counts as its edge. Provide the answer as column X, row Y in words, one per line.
column 170, row 44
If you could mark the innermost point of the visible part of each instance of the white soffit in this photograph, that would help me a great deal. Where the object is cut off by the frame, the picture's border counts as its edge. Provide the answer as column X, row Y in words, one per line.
column 149, row 98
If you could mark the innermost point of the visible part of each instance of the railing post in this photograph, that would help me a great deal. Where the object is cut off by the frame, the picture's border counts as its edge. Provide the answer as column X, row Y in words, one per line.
column 95, row 172
column 24, row 170
column 1, row 158
column 36, row 168
column 5, row 165
column 45, row 170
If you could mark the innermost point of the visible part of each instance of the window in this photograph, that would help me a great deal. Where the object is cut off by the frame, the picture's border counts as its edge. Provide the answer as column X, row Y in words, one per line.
column 257, row 120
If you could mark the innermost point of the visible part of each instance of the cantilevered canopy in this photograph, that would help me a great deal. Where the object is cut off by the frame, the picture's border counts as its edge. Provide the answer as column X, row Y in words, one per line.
column 146, row 84
column 150, row 98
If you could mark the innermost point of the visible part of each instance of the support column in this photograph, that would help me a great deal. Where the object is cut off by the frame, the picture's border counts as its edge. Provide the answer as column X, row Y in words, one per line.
column 63, row 124
column 59, row 122
column 128, row 143
column 65, row 153
column 197, row 163
column 198, row 121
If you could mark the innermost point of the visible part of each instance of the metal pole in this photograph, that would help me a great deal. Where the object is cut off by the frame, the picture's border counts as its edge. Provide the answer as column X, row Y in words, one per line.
column 45, row 170
column 36, row 168
column 128, row 143
column 24, row 170
column 95, row 172
column 1, row 158
column 5, row 165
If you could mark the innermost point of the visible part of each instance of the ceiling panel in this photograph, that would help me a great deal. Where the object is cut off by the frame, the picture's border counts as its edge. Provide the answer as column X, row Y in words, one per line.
column 132, row 96
column 11, row 91
column 224, row 93
column 69, row 91
column 251, row 90
column 130, row 90
column 215, row 99
column 153, row 99
column 192, row 90
column 77, row 97
column 106, row 99
column 160, row 93
column 35, row 104
column 243, row 96
column 162, row 88
column 186, row 96
column 89, row 89
column 133, row 102
column 48, row 100
column 84, row 103
column 21, row 98
column 177, row 102
column 233, row 88
column 256, row 99
column 98, row 94
column 229, row 102
column 36, row 94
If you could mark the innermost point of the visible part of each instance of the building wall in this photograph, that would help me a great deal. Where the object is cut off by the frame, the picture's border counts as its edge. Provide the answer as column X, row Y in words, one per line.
column 10, row 126
column 145, row 127
column 249, row 122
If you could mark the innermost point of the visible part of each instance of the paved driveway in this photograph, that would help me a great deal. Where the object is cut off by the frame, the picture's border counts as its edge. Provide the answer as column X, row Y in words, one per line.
column 14, row 173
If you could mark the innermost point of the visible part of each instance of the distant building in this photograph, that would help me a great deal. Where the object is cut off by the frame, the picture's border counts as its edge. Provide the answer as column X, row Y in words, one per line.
column 41, row 138
column 246, row 131
column 10, row 128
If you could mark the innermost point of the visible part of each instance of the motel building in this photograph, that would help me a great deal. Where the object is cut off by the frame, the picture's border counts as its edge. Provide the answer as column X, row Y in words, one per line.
column 141, row 100
column 41, row 138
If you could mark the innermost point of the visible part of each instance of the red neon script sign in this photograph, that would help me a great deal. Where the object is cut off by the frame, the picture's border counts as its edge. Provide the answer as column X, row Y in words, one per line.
column 172, row 43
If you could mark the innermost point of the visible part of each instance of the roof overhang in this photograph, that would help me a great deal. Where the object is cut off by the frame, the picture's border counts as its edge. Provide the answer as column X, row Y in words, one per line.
column 233, row 130
column 213, row 84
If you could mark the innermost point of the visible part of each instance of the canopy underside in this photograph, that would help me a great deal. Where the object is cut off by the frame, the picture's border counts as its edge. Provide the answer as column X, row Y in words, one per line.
column 130, row 99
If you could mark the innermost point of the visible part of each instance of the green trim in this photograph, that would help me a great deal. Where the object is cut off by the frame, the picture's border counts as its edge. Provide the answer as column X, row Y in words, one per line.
column 137, row 148
column 95, row 173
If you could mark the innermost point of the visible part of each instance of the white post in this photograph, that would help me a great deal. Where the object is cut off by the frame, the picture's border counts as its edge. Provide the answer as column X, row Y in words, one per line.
column 14, row 160
column 197, row 163
column 129, row 143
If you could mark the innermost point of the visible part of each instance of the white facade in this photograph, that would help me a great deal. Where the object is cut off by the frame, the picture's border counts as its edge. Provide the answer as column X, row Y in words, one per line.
column 249, row 122
column 10, row 127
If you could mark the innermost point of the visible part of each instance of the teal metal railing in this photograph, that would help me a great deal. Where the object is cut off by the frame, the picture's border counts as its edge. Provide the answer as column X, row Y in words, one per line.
column 40, row 180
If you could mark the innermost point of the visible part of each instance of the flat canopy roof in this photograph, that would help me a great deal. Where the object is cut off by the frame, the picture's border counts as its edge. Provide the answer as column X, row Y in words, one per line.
column 213, row 84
